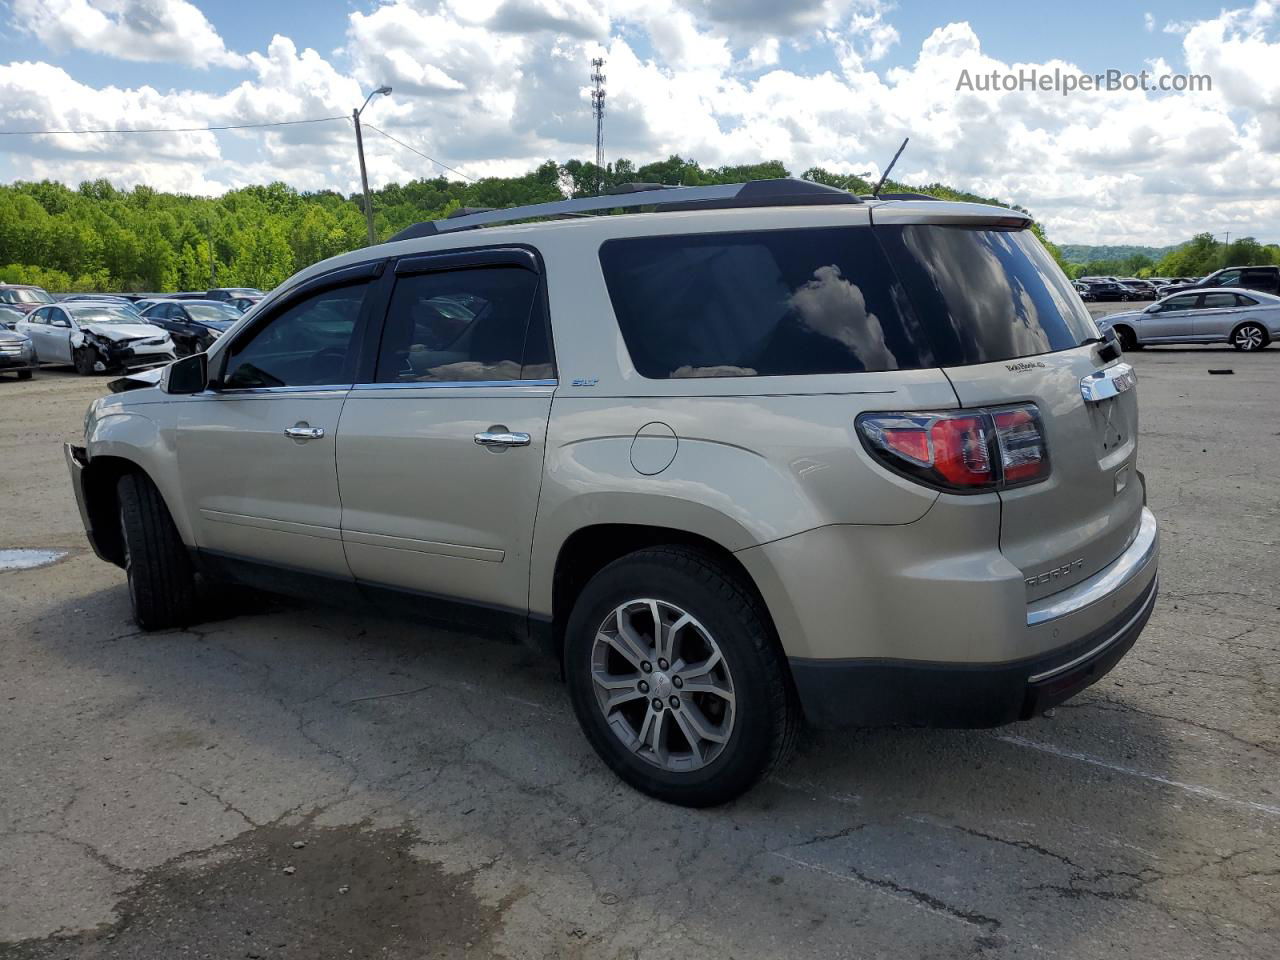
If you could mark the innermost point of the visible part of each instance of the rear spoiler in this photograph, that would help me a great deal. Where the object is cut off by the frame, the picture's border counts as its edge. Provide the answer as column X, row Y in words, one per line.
column 949, row 213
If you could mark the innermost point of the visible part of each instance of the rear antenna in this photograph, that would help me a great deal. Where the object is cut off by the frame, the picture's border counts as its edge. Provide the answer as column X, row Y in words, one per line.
column 876, row 191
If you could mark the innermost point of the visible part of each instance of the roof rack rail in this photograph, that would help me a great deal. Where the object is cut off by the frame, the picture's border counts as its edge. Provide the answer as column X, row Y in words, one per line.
column 467, row 212
column 900, row 196
column 635, row 187
column 782, row 192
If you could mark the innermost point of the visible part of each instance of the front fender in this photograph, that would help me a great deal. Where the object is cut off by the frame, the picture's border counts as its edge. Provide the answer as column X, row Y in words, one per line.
column 141, row 440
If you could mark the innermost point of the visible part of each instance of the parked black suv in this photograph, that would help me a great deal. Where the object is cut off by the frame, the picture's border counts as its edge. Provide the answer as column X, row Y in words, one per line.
column 193, row 324
column 1107, row 290
column 1264, row 279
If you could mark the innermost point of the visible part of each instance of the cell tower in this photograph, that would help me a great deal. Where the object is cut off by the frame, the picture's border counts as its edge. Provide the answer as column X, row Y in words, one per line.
column 597, row 110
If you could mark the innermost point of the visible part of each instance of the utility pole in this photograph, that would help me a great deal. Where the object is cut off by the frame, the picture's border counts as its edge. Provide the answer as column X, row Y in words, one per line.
column 597, row 109
column 364, row 176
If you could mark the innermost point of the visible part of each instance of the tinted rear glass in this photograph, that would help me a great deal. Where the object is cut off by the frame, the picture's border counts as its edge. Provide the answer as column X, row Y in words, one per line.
column 986, row 295
column 765, row 303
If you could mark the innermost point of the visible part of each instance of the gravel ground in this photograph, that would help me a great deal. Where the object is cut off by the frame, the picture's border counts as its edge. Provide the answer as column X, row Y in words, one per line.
column 289, row 781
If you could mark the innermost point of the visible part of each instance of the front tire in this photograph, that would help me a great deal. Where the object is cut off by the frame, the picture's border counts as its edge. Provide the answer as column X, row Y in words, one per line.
column 24, row 374
column 1128, row 341
column 86, row 360
column 677, row 678
column 1249, row 337
column 162, row 586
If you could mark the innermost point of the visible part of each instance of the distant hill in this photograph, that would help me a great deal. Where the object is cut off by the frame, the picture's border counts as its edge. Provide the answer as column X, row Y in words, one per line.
column 1085, row 253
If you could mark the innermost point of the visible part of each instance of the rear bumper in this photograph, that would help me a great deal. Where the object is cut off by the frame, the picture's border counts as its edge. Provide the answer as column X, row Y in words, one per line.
column 925, row 624
column 862, row 693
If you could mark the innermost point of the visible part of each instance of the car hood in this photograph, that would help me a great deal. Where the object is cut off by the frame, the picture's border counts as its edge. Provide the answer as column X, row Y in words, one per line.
column 222, row 326
column 1112, row 317
column 119, row 332
column 6, row 334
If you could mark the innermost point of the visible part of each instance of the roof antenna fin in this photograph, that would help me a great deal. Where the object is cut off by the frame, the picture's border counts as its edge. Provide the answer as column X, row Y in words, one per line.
column 885, row 176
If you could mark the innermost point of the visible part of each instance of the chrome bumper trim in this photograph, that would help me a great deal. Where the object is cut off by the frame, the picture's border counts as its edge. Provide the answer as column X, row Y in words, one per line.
column 1102, row 584
column 1063, row 668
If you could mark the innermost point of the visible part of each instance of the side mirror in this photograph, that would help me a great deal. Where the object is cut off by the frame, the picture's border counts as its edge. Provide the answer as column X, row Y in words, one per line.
column 64, row 324
column 188, row 375
column 1110, row 347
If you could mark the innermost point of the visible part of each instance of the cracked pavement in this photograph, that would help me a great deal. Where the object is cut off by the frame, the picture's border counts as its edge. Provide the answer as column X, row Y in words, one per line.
column 433, row 796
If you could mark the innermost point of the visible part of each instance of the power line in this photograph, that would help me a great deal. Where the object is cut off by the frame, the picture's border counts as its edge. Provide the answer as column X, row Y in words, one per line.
column 419, row 152
column 227, row 126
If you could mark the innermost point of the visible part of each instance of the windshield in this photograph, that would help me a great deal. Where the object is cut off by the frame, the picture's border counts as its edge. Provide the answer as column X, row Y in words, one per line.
column 212, row 312
column 103, row 314
column 24, row 295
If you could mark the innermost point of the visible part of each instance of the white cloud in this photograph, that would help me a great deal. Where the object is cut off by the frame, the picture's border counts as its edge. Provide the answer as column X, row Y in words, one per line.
column 496, row 86
column 144, row 30
column 1149, row 21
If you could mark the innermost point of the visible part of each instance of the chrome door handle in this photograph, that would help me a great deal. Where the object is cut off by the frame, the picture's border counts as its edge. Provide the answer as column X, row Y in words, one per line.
column 301, row 431
column 502, row 438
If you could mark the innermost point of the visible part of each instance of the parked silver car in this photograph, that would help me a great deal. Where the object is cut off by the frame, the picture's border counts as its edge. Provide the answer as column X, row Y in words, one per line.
column 16, row 354
column 95, row 337
column 1246, row 319
column 750, row 457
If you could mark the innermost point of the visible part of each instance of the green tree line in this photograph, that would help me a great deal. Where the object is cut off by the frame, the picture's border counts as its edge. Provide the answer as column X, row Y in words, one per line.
column 96, row 237
column 1203, row 254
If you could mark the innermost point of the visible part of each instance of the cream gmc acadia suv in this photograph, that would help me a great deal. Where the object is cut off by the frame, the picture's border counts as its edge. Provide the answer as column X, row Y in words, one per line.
column 752, row 454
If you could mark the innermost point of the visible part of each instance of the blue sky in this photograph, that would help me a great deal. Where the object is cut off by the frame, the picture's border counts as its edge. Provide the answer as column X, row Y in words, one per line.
column 496, row 86
column 1095, row 36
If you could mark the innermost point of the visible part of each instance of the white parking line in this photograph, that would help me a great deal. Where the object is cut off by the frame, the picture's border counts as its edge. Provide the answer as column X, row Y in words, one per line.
column 1206, row 793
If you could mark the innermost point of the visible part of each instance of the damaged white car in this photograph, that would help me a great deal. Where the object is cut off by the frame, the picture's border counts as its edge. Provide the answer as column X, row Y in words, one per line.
column 96, row 337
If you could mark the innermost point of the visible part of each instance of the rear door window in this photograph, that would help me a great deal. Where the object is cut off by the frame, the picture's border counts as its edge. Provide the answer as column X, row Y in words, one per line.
column 465, row 325
column 985, row 295
column 761, row 303
column 1216, row 301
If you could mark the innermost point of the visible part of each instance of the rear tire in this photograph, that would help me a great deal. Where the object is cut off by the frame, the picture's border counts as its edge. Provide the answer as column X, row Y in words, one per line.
column 1250, row 337
column 745, row 702
column 162, row 586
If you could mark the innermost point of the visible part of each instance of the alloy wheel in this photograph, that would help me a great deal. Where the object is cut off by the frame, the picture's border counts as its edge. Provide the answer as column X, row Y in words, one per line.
column 1249, row 337
column 663, row 685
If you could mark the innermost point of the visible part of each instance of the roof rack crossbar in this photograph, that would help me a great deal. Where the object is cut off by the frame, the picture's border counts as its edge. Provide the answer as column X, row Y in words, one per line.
column 780, row 192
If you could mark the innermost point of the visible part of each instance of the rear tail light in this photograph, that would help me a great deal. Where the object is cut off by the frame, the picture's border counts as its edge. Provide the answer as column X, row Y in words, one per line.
column 963, row 451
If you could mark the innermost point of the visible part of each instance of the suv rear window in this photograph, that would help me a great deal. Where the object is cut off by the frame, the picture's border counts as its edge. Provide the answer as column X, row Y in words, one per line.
column 762, row 303
column 838, row 300
column 986, row 295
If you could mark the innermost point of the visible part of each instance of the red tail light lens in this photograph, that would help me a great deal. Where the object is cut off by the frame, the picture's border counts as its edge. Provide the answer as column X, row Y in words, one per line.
column 962, row 451
column 1023, row 458
column 965, row 451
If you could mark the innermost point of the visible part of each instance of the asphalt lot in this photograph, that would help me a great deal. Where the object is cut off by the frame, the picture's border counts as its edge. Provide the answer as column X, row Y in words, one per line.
column 434, row 798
